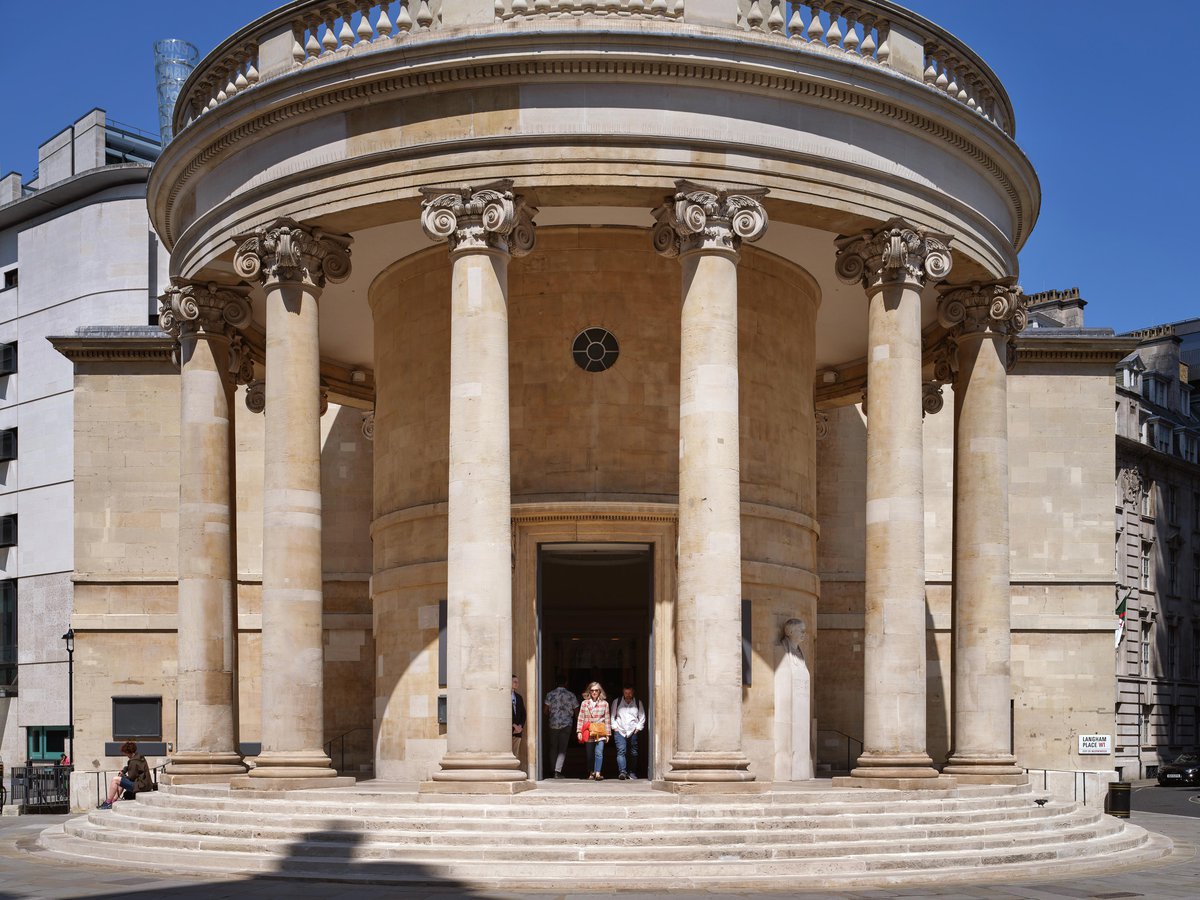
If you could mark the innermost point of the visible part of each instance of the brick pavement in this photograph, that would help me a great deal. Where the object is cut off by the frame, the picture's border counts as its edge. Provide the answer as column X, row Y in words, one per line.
column 25, row 874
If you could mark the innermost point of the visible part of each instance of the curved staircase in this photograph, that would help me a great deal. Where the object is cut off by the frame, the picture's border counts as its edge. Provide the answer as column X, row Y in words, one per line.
column 811, row 834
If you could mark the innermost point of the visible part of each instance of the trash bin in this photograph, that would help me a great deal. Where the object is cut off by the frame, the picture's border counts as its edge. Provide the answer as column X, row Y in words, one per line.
column 1116, row 803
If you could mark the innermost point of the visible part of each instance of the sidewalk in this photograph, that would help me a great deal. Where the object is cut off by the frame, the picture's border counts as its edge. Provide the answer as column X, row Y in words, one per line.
column 33, row 875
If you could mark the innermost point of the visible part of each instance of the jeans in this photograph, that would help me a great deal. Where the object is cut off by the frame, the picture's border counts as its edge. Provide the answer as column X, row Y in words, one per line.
column 599, row 754
column 560, row 738
column 631, row 743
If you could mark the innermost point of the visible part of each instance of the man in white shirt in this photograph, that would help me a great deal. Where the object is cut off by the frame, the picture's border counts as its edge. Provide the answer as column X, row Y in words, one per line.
column 628, row 718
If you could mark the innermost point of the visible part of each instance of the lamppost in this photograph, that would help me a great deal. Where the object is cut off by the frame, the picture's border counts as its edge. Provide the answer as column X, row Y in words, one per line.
column 69, row 637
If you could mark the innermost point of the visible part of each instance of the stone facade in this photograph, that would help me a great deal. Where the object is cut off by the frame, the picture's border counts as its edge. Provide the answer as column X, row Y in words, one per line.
column 521, row 407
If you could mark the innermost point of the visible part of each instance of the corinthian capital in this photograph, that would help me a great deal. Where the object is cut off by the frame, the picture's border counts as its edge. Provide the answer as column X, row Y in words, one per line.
column 697, row 217
column 897, row 253
column 286, row 251
column 996, row 308
column 188, row 308
column 484, row 217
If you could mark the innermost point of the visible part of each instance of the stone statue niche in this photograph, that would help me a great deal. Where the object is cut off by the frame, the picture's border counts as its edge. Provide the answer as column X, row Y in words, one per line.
column 794, row 726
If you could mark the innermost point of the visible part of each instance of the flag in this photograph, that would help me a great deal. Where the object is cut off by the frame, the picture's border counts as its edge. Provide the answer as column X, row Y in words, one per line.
column 1123, row 595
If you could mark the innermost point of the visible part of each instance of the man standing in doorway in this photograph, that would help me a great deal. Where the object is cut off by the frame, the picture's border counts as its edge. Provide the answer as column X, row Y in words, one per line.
column 628, row 718
column 560, row 705
column 518, row 725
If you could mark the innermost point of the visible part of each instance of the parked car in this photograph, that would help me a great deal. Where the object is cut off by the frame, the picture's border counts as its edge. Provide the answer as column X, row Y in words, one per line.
column 1184, row 770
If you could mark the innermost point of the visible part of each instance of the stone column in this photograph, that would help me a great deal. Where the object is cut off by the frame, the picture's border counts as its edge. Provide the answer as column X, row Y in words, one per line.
column 705, row 227
column 484, row 226
column 292, row 262
column 893, row 265
column 204, row 319
column 982, row 320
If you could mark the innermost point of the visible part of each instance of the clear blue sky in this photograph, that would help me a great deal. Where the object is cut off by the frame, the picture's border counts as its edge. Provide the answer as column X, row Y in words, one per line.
column 1104, row 94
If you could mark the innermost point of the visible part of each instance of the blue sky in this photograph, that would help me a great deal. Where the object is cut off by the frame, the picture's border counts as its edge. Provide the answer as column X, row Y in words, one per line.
column 1102, row 92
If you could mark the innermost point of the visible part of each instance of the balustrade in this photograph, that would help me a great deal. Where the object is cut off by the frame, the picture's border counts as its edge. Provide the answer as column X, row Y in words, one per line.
column 864, row 31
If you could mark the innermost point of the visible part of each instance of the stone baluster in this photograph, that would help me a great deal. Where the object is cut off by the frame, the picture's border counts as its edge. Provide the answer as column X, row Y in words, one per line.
column 204, row 318
column 383, row 24
column 293, row 262
column 981, row 320
column 868, row 47
column 893, row 264
column 704, row 227
column 484, row 226
column 815, row 32
column 365, row 33
column 851, row 40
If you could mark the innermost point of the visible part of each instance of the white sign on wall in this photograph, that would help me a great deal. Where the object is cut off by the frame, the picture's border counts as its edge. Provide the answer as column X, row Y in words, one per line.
column 1095, row 744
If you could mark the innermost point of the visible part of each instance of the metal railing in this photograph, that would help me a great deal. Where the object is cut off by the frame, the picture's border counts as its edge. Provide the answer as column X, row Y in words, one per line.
column 40, row 788
column 104, row 777
column 850, row 741
column 340, row 741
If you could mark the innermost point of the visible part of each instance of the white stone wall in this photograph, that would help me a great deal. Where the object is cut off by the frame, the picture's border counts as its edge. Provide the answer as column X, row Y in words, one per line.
column 86, row 263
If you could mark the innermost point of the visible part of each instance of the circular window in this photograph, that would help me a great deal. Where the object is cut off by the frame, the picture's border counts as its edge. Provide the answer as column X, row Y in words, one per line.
column 595, row 349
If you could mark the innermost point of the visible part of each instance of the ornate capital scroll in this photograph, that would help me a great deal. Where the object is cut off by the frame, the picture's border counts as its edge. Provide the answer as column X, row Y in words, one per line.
column 241, row 366
column 189, row 308
column 897, row 253
column 256, row 395
column 932, row 400
column 286, row 251
column 482, row 217
column 996, row 308
column 822, row 422
column 368, row 425
column 697, row 217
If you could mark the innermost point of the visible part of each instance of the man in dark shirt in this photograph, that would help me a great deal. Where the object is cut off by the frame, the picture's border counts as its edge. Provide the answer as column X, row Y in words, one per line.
column 518, row 725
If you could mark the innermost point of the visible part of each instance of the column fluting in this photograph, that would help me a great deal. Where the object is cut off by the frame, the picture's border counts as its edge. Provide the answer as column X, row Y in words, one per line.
column 893, row 265
column 704, row 227
column 981, row 321
column 485, row 225
column 204, row 319
column 293, row 263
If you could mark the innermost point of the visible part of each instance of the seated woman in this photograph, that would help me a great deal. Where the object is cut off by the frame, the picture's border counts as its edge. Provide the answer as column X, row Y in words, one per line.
column 133, row 778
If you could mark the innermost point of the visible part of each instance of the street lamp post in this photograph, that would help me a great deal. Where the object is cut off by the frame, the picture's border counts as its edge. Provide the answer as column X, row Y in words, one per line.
column 69, row 637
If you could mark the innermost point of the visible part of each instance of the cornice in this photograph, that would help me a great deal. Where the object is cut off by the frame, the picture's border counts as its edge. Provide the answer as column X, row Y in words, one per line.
column 116, row 349
column 436, row 73
column 1109, row 349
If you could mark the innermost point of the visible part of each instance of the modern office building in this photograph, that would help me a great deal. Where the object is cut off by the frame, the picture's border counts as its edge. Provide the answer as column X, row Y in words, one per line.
column 75, row 248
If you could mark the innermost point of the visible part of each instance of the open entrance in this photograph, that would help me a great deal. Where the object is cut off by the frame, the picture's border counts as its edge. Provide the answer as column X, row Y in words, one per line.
column 595, row 609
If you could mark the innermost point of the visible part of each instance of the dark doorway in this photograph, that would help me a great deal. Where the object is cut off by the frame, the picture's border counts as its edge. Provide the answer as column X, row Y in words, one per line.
column 595, row 609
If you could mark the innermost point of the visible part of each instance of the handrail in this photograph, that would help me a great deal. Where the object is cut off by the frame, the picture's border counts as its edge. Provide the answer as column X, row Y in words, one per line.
column 850, row 756
column 103, row 776
column 341, row 741
column 307, row 33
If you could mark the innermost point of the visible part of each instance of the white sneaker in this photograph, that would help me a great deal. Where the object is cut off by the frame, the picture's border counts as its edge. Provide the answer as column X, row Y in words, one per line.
column 632, row 777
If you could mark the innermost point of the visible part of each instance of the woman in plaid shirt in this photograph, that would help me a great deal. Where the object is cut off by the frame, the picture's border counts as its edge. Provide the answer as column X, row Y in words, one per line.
column 594, row 711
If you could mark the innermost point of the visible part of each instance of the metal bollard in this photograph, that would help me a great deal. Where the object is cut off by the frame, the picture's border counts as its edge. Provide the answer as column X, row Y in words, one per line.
column 1116, row 803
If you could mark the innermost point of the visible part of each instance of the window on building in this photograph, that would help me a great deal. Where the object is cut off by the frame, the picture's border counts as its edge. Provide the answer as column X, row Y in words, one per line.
column 1131, row 379
column 1172, row 503
column 8, row 638
column 137, row 718
column 1144, row 726
column 1185, row 399
column 1146, row 548
column 1173, row 724
column 8, row 358
column 8, row 444
column 1172, row 650
column 10, row 279
column 46, row 742
column 1173, row 571
column 8, row 530
column 1196, row 577
column 1154, row 389
column 1145, row 650
column 1148, row 499
column 1195, row 510
column 1196, row 654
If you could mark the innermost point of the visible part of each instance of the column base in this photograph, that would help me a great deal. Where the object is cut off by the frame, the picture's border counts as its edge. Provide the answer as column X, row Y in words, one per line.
column 901, row 771
column 473, row 772
column 272, row 765
column 990, row 769
column 203, row 765
column 709, row 766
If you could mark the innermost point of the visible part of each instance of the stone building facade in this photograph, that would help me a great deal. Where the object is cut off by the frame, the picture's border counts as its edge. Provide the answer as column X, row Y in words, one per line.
column 453, row 390
column 75, row 249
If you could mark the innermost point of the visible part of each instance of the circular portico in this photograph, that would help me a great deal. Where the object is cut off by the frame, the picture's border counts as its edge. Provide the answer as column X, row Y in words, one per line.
column 432, row 202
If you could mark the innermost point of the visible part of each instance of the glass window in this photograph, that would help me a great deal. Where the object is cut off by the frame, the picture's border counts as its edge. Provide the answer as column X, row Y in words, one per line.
column 1145, row 649
column 8, row 638
column 1146, row 545
column 47, row 742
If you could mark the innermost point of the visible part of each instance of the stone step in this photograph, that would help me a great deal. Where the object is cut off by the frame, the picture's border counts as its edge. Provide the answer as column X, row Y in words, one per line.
column 682, row 846
column 1129, row 847
column 616, row 828
column 474, row 834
